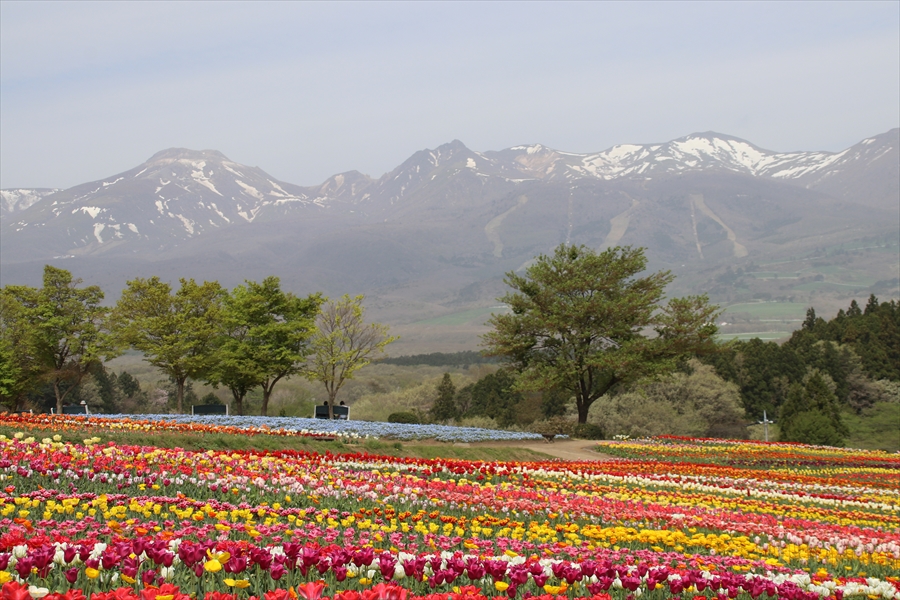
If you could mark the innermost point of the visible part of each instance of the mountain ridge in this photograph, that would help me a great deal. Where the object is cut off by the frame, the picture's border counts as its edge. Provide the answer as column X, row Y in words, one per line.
column 442, row 228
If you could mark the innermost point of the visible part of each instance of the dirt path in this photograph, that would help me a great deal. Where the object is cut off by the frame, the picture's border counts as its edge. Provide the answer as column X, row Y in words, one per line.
column 576, row 450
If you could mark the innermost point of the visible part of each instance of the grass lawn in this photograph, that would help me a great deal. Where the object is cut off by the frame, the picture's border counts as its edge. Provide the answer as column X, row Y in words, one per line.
column 877, row 428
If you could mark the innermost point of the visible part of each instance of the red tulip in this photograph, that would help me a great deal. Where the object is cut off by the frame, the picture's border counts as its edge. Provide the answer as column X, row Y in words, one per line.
column 311, row 590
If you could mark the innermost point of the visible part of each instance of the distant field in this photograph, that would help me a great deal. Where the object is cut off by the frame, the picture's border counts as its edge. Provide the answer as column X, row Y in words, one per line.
column 767, row 336
column 774, row 275
column 475, row 315
column 769, row 310
column 830, row 285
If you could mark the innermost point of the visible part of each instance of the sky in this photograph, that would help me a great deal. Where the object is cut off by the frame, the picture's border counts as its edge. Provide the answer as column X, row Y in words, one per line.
column 306, row 90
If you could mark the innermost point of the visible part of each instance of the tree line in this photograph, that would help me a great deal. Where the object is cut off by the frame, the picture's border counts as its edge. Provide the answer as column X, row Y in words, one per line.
column 250, row 337
column 442, row 359
column 586, row 329
column 587, row 333
column 849, row 362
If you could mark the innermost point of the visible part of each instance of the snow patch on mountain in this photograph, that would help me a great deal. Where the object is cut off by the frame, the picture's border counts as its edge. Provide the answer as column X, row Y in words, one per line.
column 90, row 210
column 15, row 200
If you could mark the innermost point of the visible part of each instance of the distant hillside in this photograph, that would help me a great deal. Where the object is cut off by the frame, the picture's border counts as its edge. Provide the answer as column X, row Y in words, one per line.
column 442, row 359
column 435, row 236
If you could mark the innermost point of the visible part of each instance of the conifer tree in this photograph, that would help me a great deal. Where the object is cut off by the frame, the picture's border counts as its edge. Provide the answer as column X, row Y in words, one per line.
column 444, row 407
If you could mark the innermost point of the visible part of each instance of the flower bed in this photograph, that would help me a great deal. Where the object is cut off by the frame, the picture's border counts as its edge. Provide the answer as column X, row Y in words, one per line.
column 158, row 523
column 252, row 425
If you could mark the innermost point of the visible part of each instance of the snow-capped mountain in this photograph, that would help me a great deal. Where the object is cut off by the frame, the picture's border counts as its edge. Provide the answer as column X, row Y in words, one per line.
column 19, row 199
column 450, row 218
column 177, row 194
column 696, row 152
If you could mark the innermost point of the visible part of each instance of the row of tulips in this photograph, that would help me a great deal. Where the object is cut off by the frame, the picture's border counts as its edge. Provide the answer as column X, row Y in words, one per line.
column 98, row 517
column 281, row 426
column 353, row 570
column 45, row 422
column 749, row 453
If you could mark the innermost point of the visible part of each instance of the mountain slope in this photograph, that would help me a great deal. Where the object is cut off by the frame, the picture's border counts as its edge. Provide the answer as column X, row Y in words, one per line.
column 176, row 195
column 16, row 200
column 442, row 228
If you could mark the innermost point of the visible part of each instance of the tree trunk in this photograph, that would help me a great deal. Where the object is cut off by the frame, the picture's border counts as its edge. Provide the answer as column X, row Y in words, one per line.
column 238, row 401
column 59, row 397
column 179, row 394
column 583, row 407
column 264, row 409
column 332, row 394
column 267, row 387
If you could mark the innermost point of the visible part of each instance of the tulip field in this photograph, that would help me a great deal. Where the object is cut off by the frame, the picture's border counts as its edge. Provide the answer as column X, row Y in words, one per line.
column 81, row 517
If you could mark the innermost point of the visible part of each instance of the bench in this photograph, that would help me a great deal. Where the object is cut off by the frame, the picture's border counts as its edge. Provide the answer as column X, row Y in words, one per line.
column 339, row 412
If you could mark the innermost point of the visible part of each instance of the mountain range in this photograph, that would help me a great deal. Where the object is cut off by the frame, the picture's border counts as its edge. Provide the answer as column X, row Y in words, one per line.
column 436, row 234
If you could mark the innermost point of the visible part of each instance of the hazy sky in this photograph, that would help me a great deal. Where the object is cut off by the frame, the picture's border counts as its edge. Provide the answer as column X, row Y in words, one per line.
column 307, row 90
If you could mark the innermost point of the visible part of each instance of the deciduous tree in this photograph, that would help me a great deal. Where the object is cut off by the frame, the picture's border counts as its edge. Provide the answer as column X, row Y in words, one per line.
column 63, row 330
column 342, row 344
column 176, row 332
column 578, row 319
column 20, row 369
column 694, row 401
column 266, row 335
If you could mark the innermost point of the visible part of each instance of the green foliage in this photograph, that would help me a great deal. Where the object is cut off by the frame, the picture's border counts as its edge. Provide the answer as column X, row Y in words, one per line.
column 10, row 374
column 875, row 428
column 403, row 417
column 60, row 331
column 578, row 318
column 106, row 392
column 188, row 394
column 762, row 371
column 554, row 402
column 444, row 407
column 265, row 338
column 812, row 404
column 553, row 426
column 695, row 402
column 852, row 387
column 19, row 366
column 128, row 384
column 588, row 431
column 493, row 396
column 812, row 427
column 889, row 390
column 415, row 397
column 848, row 352
column 873, row 334
column 176, row 332
column 210, row 399
column 343, row 343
